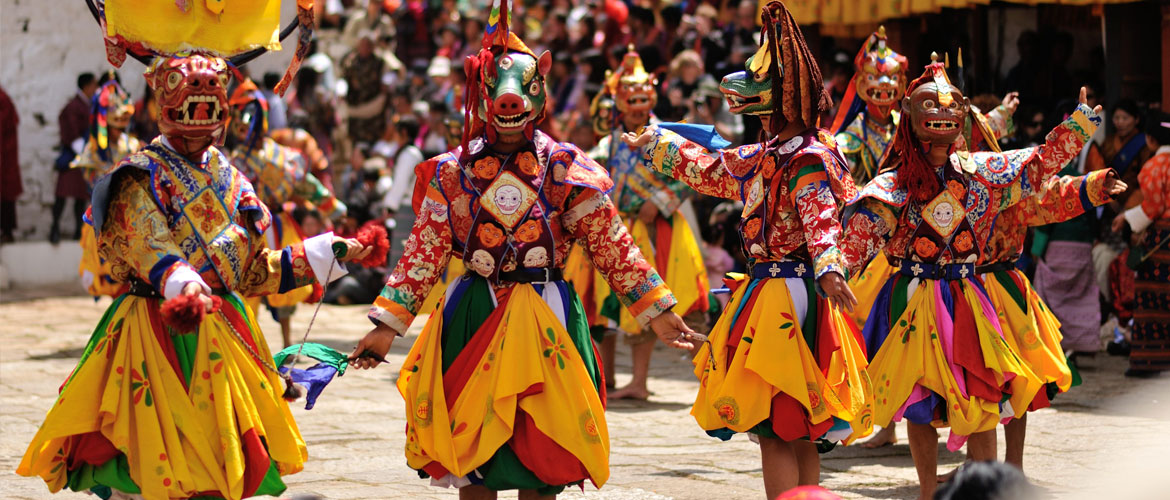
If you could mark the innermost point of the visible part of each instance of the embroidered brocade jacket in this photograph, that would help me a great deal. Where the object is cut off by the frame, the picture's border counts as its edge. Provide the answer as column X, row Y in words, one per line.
column 91, row 160
column 863, row 143
column 1059, row 199
column 956, row 225
column 634, row 185
column 167, row 221
column 572, row 197
column 1154, row 181
column 280, row 174
column 791, row 206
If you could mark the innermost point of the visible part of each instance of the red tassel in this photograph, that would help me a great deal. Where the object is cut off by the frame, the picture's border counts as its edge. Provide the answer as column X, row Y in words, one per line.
column 374, row 235
column 185, row 312
column 318, row 293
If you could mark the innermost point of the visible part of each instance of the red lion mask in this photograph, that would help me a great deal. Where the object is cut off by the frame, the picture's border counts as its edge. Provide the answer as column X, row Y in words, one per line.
column 192, row 92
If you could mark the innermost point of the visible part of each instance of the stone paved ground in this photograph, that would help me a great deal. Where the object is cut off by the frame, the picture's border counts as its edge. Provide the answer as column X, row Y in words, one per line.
column 1111, row 432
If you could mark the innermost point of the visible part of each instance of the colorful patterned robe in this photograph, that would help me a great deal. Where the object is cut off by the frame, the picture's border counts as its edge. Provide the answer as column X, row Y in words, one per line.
column 1151, row 315
column 280, row 174
column 199, row 222
column 1058, row 199
column 574, row 197
column 804, row 196
column 635, row 186
column 90, row 159
column 863, row 143
column 1154, row 181
column 123, row 418
column 886, row 218
column 667, row 242
column 95, row 271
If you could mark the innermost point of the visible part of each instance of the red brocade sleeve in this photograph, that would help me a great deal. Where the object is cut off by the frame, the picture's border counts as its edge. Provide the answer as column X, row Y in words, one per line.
column 813, row 198
column 1060, row 199
column 425, row 257
column 704, row 171
column 867, row 232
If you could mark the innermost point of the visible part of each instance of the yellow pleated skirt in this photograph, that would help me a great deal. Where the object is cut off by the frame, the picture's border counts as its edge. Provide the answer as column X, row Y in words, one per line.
column 945, row 348
column 738, row 385
column 538, row 372
column 866, row 287
column 1029, row 326
column 192, row 414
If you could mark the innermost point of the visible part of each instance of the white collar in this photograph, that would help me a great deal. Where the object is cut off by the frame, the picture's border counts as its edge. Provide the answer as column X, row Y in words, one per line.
column 1163, row 150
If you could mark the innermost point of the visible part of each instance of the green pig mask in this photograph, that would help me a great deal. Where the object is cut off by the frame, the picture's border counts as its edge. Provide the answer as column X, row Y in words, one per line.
column 514, row 95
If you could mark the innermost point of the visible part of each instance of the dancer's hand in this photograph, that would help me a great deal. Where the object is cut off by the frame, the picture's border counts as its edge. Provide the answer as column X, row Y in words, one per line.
column 377, row 342
column 1011, row 102
column 672, row 331
column 635, row 140
column 1113, row 184
column 1084, row 100
column 1118, row 223
column 196, row 289
column 353, row 249
column 837, row 290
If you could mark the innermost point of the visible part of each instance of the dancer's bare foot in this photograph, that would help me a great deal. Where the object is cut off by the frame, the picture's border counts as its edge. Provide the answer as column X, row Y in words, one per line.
column 631, row 391
column 885, row 437
column 942, row 478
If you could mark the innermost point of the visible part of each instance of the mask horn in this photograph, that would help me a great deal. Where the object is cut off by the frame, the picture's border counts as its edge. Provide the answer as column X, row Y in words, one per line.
column 146, row 60
column 246, row 57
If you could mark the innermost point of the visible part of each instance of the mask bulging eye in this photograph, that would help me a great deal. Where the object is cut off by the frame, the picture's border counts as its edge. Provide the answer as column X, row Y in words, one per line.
column 173, row 80
column 534, row 88
column 759, row 77
column 928, row 104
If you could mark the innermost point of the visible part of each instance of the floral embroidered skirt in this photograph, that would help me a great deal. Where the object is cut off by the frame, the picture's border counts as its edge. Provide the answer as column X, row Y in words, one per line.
column 520, row 414
column 1032, row 331
column 938, row 356
column 167, row 415
column 782, row 363
column 671, row 247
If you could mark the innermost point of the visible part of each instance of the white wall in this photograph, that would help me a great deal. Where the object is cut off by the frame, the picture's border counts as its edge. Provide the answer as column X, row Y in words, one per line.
column 44, row 44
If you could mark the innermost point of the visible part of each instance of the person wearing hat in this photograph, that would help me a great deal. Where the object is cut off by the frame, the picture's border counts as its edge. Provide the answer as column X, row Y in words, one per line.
column 937, row 348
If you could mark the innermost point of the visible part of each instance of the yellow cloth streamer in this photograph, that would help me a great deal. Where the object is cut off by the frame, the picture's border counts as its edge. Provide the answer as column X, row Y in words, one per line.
column 772, row 358
column 222, row 27
column 178, row 441
column 685, row 274
column 539, row 351
column 866, row 287
column 1033, row 334
column 913, row 354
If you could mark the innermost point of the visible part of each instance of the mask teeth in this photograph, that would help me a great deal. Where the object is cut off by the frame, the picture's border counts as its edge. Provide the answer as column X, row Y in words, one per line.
column 191, row 105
